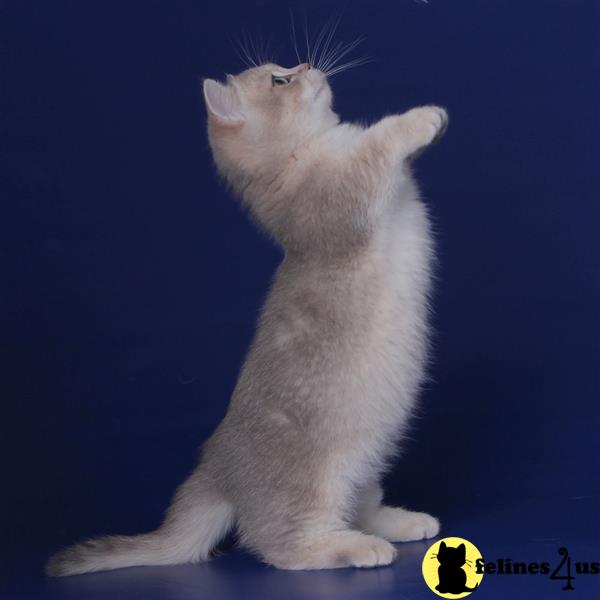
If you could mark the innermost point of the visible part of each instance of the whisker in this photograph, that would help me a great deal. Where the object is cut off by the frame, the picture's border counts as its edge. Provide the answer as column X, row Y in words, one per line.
column 320, row 38
column 359, row 62
column 353, row 62
column 328, row 32
column 293, row 36
column 327, row 51
column 332, row 56
column 308, row 57
column 246, row 50
column 265, row 51
column 345, row 50
column 243, row 53
column 255, row 53
column 237, row 48
column 260, row 50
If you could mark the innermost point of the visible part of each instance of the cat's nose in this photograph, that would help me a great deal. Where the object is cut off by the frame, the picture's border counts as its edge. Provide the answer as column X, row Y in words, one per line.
column 304, row 67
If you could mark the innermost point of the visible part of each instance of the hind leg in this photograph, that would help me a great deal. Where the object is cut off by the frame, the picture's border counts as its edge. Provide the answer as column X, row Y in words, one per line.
column 307, row 527
column 333, row 550
column 395, row 524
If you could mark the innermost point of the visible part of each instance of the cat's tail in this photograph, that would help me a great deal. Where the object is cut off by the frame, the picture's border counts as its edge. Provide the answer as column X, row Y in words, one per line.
column 468, row 589
column 198, row 518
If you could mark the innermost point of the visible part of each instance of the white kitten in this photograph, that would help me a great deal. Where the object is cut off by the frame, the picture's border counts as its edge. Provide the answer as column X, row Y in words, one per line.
column 339, row 353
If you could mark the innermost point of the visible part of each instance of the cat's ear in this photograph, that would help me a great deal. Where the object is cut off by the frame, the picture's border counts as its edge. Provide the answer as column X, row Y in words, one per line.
column 442, row 545
column 462, row 549
column 223, row 103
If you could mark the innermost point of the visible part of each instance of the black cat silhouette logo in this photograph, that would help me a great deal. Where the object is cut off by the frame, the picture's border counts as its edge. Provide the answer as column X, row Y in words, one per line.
column 449, row 568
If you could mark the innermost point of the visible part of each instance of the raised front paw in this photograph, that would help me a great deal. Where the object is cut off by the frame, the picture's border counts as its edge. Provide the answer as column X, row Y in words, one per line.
column 428, row 123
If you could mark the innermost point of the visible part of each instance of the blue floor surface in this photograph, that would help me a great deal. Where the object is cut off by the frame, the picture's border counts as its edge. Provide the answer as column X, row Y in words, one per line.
column 528, row 529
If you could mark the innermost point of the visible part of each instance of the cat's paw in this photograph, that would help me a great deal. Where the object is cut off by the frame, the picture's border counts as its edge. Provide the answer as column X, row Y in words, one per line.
column 337, row 550
column 368, row 551
column 428, row 122
column 401, row 525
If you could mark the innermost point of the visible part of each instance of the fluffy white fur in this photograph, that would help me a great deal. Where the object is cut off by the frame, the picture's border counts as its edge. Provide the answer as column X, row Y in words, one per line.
column 339, row 353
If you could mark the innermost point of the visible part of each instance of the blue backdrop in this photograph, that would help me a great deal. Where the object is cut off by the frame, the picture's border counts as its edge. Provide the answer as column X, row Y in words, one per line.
column 132, row 280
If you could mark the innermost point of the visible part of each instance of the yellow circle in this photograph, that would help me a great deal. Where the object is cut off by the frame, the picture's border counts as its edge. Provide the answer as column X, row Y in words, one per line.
column 449, row 568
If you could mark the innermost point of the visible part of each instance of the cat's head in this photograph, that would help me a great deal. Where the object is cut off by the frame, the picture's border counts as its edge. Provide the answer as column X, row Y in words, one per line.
column 263, row 114
column 452, row 557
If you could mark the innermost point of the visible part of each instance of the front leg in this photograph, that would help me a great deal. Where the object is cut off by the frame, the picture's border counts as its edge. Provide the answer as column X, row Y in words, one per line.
column 362, row 170
column 402, row 136
column 392, row 523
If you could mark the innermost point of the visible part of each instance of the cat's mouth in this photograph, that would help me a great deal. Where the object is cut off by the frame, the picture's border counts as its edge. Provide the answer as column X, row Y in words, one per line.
column 320, row 89
column 318, row 81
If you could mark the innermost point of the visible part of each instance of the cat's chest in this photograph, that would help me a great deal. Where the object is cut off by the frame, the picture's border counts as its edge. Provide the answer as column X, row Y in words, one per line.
column 398, row 317
column 405, row 249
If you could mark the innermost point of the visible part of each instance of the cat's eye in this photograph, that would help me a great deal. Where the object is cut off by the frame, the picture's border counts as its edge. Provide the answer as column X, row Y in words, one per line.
column 278, row 80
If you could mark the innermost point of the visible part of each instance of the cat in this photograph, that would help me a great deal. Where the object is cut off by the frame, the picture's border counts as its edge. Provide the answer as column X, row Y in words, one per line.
column 453, row 579
column 339, row 353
